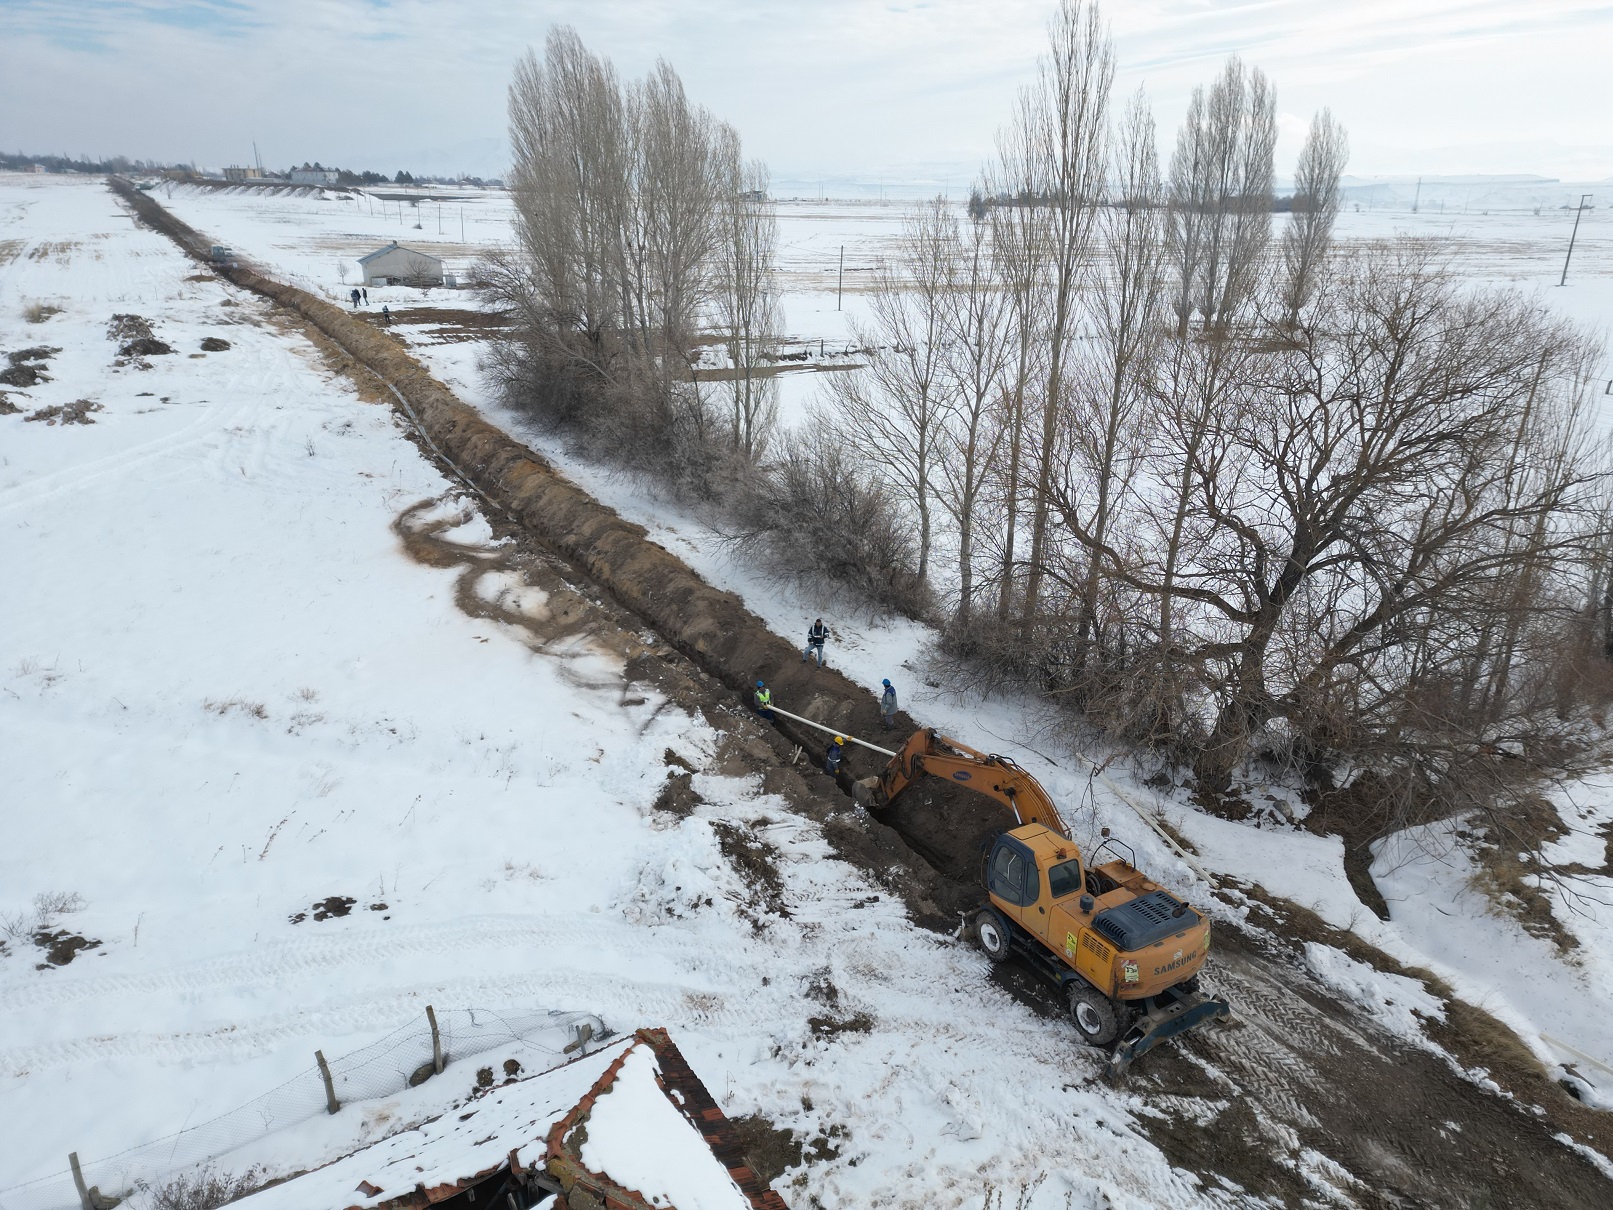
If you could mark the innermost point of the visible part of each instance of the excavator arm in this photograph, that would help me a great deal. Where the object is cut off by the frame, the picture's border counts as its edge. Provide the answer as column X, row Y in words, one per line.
column 929, row 752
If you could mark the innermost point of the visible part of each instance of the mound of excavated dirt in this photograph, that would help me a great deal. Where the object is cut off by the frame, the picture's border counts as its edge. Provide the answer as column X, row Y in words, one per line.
column 124, row 327
column 145, row 346
column 948, row 824
column 214, row 344
column 26, row 367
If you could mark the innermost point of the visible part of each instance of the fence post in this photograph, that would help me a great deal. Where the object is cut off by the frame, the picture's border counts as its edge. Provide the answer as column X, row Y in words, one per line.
column 78, row 1182
column 331, row 1103
column 436, row 1041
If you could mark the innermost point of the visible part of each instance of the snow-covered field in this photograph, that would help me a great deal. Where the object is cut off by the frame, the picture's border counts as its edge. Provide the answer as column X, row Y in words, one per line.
column 229, row 695
column 1487, row 956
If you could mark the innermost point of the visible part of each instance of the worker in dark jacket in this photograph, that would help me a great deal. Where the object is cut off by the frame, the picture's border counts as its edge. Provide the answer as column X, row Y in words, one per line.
column 887, row 706
column 835, row 757
column 817, row 636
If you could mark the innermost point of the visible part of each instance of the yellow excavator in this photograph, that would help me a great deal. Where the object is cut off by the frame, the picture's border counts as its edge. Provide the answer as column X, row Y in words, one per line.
column 1124, row 952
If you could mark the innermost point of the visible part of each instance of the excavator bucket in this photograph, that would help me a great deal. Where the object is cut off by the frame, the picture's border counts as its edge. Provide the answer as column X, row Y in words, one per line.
column 1186, row 1011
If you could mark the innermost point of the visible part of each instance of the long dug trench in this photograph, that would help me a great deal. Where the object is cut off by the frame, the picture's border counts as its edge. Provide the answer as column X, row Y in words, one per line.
column 1304, row 1102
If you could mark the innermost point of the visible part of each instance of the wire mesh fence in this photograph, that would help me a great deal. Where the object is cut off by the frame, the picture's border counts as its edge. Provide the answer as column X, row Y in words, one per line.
column 405, row 1057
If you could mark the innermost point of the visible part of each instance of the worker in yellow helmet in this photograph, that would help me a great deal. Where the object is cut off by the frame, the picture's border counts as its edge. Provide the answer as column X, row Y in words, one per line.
column 835, row 757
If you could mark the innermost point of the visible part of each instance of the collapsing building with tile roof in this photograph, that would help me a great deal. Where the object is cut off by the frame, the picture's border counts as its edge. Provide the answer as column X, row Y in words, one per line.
column 628, row 1127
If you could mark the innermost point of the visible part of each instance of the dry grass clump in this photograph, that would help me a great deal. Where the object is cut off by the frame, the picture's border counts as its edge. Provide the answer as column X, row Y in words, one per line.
column 236, row 705
column 38, row 312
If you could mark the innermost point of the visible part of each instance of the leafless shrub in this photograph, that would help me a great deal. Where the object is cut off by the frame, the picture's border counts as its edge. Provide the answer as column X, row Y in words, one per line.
column 203, row 1190
column 47, row 905
column 57, row 903
column 38, row 312
column 818, row 518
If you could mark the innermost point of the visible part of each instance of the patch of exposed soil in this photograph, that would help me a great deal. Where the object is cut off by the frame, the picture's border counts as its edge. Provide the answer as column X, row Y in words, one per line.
column 7, row 408
column 77, row 412
column 334, row 905
column 26, row 367
column 145, row 346
column 61, row 946
column 678, row 797
column 214, row 344
column 451, row 326
column 771, row 1151
column 756, row 863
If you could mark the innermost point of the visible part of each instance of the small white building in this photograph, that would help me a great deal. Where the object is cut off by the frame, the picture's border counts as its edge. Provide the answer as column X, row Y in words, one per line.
column 310, row 174
column 395, row 265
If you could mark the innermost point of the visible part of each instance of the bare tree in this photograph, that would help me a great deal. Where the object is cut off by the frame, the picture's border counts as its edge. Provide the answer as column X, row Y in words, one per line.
column 1309, row 234
column 1349, row 510
column 1017, row 242
column 1221, row 196
column 1126, row 303
column 569, row 180
column 980, row 352
column 747, row 304
column 1066, row 116
column 891, row 410
column 627, row 205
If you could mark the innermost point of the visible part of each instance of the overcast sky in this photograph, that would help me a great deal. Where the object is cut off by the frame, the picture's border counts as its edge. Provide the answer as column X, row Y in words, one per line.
column 840, row 88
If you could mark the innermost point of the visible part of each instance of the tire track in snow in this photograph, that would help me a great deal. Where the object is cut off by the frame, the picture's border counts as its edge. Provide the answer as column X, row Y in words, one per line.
column 278, row 962
column 119, row 464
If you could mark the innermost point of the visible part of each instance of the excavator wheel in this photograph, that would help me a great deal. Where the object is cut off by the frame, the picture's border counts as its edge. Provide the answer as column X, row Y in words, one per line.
column 993, row 937
column 1096, row 1017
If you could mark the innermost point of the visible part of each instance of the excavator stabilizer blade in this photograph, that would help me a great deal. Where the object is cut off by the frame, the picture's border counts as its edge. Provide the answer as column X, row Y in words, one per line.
column 1161, row 1024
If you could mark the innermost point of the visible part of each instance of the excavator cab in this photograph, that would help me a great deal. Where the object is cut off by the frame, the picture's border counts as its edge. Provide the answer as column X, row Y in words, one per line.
column 1125, row 952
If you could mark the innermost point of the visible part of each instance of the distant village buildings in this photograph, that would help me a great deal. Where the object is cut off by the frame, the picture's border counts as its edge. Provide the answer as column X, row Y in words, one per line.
column 236, row 173
column 395, row 265
column 313, row 174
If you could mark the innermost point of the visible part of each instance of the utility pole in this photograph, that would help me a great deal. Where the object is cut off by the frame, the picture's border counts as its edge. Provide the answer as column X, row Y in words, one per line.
column 1419, row 196
column 1584, row 204
column 462, row 224
column 840, row 286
